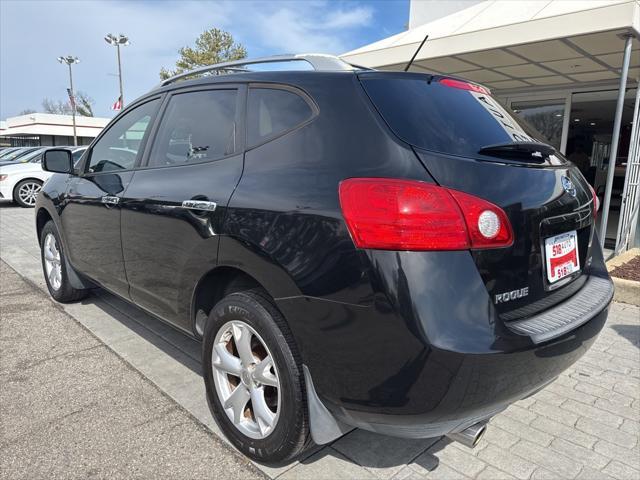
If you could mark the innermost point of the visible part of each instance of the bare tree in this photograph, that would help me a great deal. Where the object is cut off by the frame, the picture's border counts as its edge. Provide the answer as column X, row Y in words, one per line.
column 56, row 106
column 84, row 105
column 27, row 111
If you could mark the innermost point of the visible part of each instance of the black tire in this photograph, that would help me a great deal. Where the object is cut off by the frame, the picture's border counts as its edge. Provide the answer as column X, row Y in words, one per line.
column 65, row 293
column 16, row 192
column 290, row 435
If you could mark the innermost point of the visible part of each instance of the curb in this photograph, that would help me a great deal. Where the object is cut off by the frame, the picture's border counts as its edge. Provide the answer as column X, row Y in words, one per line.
column 626, row 291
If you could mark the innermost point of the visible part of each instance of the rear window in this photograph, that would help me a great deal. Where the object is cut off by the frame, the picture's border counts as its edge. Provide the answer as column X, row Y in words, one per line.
column 433, row 116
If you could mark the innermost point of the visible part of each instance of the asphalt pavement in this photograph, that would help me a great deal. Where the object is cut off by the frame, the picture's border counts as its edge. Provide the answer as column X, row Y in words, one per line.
column 71, row 408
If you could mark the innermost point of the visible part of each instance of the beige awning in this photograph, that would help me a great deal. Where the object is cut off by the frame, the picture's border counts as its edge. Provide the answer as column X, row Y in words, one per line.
column 509, row 45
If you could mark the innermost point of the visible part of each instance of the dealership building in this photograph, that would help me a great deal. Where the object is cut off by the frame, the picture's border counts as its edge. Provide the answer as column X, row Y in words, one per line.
column 570, row 68
column 45, row 129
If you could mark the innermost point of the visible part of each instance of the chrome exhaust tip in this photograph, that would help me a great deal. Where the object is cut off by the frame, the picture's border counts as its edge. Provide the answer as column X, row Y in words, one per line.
column 470, row 436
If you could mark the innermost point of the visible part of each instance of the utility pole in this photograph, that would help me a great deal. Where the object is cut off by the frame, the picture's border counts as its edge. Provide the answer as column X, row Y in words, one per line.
column 121, row 40
column 70, row 60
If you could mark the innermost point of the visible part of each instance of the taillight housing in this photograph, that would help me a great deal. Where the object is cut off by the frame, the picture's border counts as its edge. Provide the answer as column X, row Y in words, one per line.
column 462, row 85
column 396, row 214
column 596, row 202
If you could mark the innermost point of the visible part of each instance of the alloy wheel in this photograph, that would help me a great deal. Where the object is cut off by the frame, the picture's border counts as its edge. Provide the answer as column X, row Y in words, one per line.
column 246, row 379
column 52, row 261
column 28, row 193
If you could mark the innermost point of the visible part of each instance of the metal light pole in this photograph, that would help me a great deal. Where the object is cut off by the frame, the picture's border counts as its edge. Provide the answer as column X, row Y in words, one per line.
column 70, row 60
column 121, row 40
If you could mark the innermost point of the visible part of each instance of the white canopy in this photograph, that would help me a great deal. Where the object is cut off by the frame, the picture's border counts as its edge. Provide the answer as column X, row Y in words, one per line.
column 510, row 45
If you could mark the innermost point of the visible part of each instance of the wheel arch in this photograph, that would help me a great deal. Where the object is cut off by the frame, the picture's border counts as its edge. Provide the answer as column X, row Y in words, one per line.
column 42, row 217
column 212, row 287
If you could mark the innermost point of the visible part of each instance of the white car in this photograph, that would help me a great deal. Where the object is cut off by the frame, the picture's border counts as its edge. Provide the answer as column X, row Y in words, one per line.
column 22, row 181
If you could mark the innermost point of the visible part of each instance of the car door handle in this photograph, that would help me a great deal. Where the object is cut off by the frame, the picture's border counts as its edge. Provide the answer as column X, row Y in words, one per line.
column 199, row 205
column 110, row 200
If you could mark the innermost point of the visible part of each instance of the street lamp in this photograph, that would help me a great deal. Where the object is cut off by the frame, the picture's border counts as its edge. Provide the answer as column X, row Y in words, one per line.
column 70, row 60
column 120, row 40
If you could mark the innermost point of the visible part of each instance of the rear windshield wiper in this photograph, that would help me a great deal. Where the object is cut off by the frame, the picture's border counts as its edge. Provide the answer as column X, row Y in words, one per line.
column 530, row 151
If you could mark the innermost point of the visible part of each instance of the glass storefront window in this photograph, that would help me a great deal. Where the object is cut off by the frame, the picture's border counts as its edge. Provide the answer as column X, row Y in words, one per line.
column 544, row 116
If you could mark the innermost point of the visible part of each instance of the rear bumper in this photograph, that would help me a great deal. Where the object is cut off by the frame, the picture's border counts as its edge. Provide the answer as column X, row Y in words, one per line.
column 568, row 315
column 429, row 357
column 483, row 385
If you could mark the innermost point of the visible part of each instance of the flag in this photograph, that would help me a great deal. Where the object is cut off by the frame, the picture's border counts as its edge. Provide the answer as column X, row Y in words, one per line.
column 117, row 105
column 72, row 100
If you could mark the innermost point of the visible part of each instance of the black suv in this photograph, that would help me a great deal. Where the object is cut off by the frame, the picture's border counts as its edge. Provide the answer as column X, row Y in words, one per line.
column 383, row 250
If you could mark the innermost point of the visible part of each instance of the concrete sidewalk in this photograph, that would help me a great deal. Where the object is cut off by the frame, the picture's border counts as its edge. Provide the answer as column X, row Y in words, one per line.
column 584, row 425
column 71, row 408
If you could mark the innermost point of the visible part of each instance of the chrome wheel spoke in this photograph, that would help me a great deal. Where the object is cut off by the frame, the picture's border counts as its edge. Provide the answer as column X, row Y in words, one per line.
column 52, row 276
column 237, row 401
column 246, row 379
column 261, row 411
column 242, row 338
column 28, row 193
column 48, row 254
column 226, row 361
column 263, row 373
column 52, row 262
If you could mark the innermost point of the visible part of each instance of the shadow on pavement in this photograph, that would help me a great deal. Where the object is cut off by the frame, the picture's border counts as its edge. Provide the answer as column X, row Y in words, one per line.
column 629, row 332
column 169, row 340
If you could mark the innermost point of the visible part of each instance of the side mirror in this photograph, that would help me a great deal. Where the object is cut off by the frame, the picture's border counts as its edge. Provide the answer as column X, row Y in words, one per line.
column 57, row 160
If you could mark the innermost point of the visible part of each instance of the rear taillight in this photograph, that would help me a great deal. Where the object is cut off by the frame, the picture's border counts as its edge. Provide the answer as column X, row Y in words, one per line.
column 596, row 202
column 462, row 85
column 394, row 214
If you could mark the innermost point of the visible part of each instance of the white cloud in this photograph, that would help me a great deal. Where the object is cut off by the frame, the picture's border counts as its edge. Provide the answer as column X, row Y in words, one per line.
column 358, row 17
column 311, row 27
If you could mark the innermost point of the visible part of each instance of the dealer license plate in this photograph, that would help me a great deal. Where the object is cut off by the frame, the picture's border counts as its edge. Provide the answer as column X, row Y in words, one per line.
column 562, row 257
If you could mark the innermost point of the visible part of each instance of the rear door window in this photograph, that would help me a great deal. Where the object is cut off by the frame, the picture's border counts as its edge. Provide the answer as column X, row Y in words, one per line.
column 196, row 127
column 271, row 112
column 437, row 117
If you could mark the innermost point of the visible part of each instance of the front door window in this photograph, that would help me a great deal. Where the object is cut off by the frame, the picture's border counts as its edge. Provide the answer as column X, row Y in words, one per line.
column 119, row 147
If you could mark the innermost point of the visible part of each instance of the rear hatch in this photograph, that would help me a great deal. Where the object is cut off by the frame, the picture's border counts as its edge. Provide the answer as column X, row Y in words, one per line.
column 469, row 142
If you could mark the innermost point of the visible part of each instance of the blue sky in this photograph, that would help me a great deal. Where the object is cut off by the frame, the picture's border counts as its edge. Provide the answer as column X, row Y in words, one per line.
column 33, row 33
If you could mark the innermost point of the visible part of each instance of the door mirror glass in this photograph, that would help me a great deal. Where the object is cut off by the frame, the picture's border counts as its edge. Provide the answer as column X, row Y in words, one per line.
column 57, row 161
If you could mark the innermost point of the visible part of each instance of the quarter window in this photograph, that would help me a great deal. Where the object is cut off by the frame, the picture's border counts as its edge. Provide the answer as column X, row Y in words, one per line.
column 76, row 155
column 120, row 146
column 273, row 111
column 196, row 127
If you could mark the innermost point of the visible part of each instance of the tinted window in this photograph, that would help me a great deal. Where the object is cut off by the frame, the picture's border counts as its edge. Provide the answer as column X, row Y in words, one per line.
column 119, row 147
column 271, row 111
column 196, row 127
column 441, row 118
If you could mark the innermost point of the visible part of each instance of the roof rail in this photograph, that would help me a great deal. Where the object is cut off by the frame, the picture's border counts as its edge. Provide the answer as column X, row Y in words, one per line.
column 318, row 61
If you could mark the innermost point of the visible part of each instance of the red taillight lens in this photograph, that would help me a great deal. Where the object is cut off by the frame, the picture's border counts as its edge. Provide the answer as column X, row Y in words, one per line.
column 462, row 85
column 596, row 203
column 394, row 214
